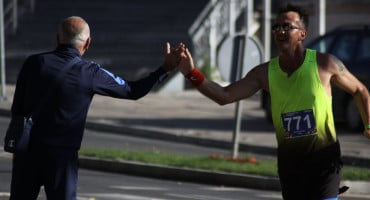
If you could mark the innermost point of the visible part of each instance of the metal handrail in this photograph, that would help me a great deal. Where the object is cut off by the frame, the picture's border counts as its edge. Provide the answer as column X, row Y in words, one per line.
column 202, row 17
column 8, row 17
column 11, row 13
column 211, row 27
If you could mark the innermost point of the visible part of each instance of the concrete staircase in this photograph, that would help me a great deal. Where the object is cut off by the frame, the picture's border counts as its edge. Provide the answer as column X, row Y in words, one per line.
column 128, row 37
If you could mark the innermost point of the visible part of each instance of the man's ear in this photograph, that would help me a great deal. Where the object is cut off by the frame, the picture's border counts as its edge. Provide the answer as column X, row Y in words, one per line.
column 85, row 47
column 303, row 35
column 87, row 44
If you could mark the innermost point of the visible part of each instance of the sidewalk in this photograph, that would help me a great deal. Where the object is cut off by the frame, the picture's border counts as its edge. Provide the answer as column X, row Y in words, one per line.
column 190, row 117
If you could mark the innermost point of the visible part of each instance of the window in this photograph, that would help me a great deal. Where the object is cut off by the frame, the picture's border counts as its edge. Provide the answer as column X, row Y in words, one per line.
column 344, row 46
column 323, row 44
column 363, row 54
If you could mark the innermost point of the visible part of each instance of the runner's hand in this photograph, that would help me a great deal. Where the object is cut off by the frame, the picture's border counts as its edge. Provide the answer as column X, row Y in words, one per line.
column 186, row 64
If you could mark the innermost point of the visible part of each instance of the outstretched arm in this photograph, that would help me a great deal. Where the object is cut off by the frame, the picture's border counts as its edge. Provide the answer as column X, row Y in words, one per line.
column 255, row 80
column 107, row 83
column 140, row 88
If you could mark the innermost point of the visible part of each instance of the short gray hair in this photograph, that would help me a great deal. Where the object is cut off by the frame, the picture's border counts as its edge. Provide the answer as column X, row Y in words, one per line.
column 73, row 31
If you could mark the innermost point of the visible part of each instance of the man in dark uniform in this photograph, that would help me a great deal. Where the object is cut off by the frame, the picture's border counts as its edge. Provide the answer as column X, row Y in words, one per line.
column 52, row 157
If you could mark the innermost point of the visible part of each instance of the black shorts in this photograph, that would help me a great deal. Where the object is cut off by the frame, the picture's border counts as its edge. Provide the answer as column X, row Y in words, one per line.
column 311, row 185
column 313, row 177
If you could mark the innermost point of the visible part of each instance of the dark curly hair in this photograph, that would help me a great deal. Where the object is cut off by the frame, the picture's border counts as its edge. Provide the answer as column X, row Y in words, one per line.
column 303, row 16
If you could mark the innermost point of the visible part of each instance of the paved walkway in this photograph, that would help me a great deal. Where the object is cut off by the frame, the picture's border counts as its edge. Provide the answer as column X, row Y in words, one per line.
column 191, row 117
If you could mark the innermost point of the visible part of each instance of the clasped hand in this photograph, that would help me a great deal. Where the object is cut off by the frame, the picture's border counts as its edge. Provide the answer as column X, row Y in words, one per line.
column 179, row 56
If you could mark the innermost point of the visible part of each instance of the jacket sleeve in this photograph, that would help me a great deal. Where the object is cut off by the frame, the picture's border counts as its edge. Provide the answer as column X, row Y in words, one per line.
column 108, row 84
column 142, row 87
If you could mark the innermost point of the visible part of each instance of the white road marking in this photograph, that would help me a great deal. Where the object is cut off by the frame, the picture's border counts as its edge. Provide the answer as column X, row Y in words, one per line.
column 121, row 196
column 222, row 188
column 196, row 197
column 270, row 196
column 139, row 188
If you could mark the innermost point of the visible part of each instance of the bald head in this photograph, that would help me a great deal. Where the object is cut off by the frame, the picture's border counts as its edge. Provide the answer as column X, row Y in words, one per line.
column 74, row 31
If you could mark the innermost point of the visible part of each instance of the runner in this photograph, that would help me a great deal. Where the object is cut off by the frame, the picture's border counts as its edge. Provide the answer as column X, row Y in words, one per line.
column 299, row 81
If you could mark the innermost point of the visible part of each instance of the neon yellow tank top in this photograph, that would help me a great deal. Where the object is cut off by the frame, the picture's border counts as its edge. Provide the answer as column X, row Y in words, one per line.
column 301, row 109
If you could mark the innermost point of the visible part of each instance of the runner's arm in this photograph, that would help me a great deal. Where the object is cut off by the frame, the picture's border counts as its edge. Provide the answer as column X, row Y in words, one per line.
column 222, row 95
column 348, row 82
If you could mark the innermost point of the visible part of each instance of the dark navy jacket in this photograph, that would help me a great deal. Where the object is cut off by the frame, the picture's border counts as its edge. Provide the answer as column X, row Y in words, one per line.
column 62, row 120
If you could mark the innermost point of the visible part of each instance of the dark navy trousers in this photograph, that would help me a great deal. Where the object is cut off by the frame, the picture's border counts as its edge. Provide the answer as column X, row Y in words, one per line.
column 57, row 172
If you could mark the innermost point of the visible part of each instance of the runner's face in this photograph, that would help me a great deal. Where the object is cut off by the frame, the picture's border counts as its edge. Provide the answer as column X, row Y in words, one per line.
column 288, row 30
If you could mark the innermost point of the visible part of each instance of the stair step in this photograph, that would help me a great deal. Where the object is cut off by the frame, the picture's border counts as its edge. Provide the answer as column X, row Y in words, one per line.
column 127, row 35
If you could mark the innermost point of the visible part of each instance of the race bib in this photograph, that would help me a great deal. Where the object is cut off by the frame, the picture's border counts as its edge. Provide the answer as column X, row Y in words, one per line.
column 299, row 124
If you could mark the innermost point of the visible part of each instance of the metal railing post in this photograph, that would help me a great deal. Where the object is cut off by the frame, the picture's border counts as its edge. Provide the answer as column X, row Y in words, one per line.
column 15, row 15
column 32, row 6
column 2, row 52
column 267, row 30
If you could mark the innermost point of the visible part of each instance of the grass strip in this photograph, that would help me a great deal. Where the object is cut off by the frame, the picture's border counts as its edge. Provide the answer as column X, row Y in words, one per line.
column 212, row 162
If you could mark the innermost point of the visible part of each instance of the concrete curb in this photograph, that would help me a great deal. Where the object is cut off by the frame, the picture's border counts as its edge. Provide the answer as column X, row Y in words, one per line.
column 147, row 133
column 357, row 188
column 181, row 174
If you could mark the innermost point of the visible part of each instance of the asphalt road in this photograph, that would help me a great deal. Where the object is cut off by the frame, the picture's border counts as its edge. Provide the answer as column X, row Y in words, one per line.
column 94, row 185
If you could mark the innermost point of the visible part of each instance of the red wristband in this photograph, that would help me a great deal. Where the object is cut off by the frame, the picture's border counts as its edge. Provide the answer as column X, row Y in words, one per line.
column 195, row 77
